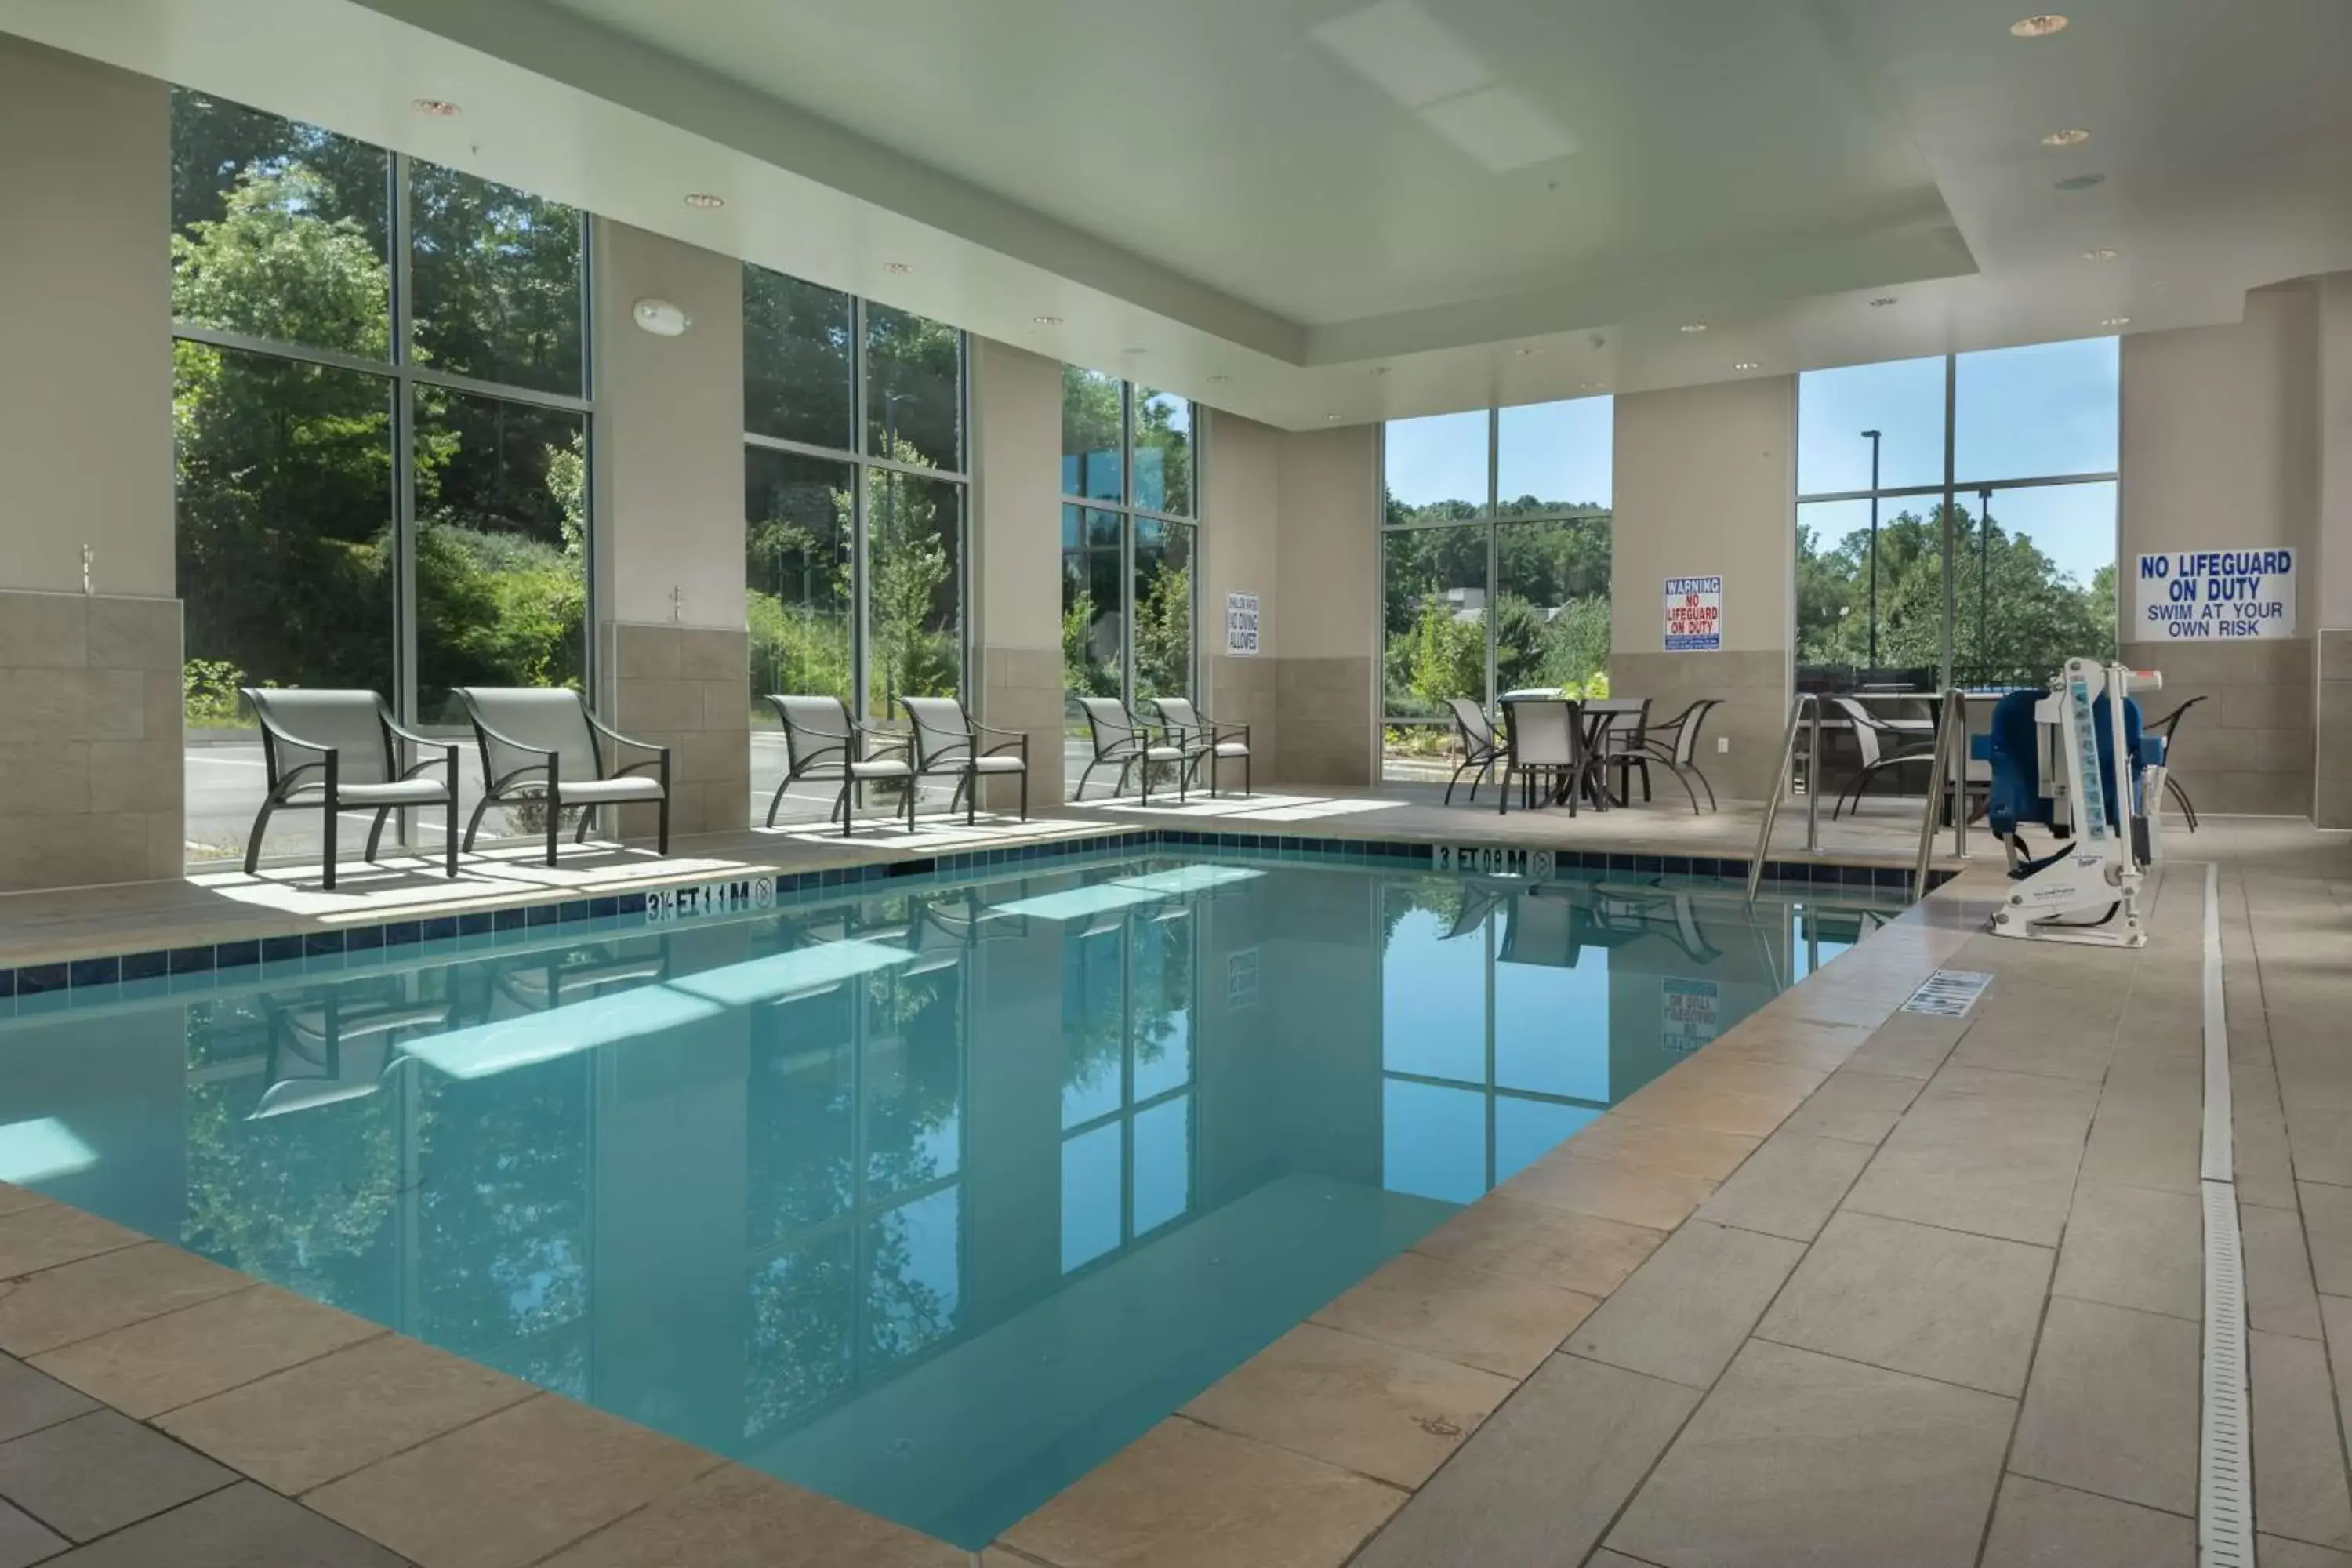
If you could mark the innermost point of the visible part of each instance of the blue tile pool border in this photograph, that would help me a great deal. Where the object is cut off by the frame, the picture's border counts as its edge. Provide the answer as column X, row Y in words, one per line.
column 203, row 966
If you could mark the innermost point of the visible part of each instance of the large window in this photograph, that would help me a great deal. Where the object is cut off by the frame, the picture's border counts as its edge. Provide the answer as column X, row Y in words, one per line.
column 1495, row 565
column 379, row 393
column 1129, row 544
column 1956, row 517
column 855, row 510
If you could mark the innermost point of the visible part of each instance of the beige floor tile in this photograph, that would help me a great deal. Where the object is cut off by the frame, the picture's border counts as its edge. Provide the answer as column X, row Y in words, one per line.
column 14, row 1198
column 2112, row 1406
column 1391, row 1413
column 510, row 1489
column 1962, row 1309
column 1798, row 1459
column 1574, row 1251
column 76, row 1300
column 735, row 1518
column 2138, row 1144
column 2299, row 1482
column 1539, row 1482
column 1730, row 1074
column 2277, row 1552
column 46, row 1235
column 2037, row 1525
column 2134, row 1247
column 1857, row 1105
column 2328, row 1225
column 1684, row 1314
column 1635, row 1194
column 1687, row 1104
column 2336, row 1314
column 2320, row 1141
column 2279, row 1299
column 1822, row 1048
column 2265, row 1166
column 164, row 1362
column 1984, row 1152
column 2026, row 1046
column 1791, row 1187
column 1692, row 1150
column 1188, row 1495
column 1495, row 1322
column 1909, row 1045
column 300, row 1428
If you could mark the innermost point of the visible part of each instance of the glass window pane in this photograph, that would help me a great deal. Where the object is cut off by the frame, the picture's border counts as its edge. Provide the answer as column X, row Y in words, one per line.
column 2046, row 408
column 1434, row 982
column 796, row 365
column 1435, row 583
column 914, row 391
column 1163, row 452
column 1163, row 608
column 495, row 278
column 800, row 1348
column 916, row 618
column 1436, row 468
column 285, row 563
column 1090, row 435
column 1527, row 1129
column 1090, row 614
column 1163, row 1163
column 1835, row 641
column 1551, row 605
column 1432, row 1141
column 1090, row 1196
column 1901, row 399
column 278, row 228
column 1555, row 456
column 914, row 1083
column 2037, row 588
column 1161, row 1052
column 1537, row 985
column 914, row 1275
column 501, row 541
column 796, row 536
column 1093, row 1025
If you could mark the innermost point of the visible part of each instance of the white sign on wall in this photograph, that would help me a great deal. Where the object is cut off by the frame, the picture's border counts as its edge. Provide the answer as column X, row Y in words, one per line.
column 1693, row 614
column 1690, row 1013
column 2215, row 594
column 1241, row 625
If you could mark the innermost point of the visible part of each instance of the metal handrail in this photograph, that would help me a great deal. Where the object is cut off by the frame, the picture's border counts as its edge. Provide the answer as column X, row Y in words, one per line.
column 1951, row 731
column 1802, row 703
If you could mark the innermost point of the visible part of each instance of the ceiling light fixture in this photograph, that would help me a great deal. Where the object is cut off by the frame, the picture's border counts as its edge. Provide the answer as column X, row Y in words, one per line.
column 1883, row 302
column 1048, row 320
column 2115, row 322
column 1745, row 364
column 897, row 268
column 1592, row 386
column 2073, row 136
column 1331, row 418
column 2040, row 27
column 2104, row 252
column 705, row 200
column 438, row 108
column 1219, row 380
column 1694, row 326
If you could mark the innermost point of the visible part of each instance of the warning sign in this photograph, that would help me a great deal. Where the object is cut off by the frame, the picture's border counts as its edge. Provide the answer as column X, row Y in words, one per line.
column 1693, row 614
column 1690, row 1014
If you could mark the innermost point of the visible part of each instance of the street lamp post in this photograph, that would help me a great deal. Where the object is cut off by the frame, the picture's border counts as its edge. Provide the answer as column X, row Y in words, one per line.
column 1873, row 437
column 1984, row 586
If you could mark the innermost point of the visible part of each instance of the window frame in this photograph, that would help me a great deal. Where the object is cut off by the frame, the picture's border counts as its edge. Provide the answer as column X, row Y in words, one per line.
column 1127, row 512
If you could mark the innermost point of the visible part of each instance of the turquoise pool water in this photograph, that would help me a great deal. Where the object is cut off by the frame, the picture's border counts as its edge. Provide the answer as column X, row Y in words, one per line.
column 929, row 1198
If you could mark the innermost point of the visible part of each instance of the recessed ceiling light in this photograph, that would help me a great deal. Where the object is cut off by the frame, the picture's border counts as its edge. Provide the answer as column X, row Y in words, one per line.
column 438, row 108
column 2073, row 136
column 2040, row 27
column 2104, row 252
column 1592, row 386
column 705, row 200
column 1694, row 326
column 1048, row 320
column 897, row 268
column 1333, row 419
column 1745, row 364
column 2081, row 182
column 1883, row 302
column 2115, row 322
column 1219, row 380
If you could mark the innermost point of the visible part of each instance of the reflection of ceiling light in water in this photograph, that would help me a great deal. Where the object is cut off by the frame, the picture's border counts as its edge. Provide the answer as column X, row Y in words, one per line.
column 36, row 1151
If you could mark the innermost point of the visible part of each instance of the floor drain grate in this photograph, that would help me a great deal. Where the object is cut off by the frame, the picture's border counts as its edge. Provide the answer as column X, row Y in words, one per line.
column 2225, row 1523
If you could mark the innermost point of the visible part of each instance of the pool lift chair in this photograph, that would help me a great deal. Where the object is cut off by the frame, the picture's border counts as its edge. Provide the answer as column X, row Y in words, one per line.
column 2055, row 762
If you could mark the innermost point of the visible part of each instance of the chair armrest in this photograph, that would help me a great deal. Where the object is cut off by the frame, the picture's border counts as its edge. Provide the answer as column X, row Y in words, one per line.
column 484, row 732
column 616, row 737
column 281, row 734
column 992, row 729
column 887, row 740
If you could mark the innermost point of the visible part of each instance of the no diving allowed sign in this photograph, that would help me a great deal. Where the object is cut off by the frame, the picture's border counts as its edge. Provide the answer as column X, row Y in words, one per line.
column 1948, row 994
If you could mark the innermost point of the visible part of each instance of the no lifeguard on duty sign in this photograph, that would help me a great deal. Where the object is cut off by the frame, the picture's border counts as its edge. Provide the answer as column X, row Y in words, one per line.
column 1693, row 614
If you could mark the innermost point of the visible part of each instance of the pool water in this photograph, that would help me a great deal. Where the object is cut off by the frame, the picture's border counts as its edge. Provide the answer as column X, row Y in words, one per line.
column 929, row 1198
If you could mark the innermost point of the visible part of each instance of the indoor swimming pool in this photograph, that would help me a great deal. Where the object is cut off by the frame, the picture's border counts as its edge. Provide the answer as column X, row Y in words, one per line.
column 929, row 1196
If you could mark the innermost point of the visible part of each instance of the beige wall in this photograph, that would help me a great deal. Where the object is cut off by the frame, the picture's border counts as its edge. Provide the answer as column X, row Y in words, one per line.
column 2221, row 448
column 85, row 325
column 1242, row 469
column 1017, row 588
column 1327, row 597
column 1705, row 487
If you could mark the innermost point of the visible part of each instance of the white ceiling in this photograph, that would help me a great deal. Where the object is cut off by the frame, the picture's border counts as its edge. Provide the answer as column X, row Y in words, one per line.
column 1299, row 209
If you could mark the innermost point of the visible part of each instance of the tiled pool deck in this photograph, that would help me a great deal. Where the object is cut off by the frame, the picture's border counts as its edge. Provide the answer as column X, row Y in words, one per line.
column 1850, row 1287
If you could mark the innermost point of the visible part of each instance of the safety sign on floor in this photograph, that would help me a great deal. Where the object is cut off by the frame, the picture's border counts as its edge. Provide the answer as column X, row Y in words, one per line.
column 1948, row 993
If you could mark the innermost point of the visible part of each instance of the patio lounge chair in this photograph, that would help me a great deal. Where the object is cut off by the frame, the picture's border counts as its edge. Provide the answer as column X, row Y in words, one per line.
column 542, row 743
column 1882, row 746
column 1119, row 738
column 2170, row 728
column 1543, row 737
column 1201, row 738
column 947, row 746
column 823, row 741
column 1481, row 747
column 1624, row 744
column 334, row 750
column 1674, row 744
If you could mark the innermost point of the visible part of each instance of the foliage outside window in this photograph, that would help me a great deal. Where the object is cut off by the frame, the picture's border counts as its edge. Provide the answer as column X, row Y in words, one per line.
column 1993, row 567
column 1130, row 477
column 853, row 527
column 301, row 375
column 1494, row 566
